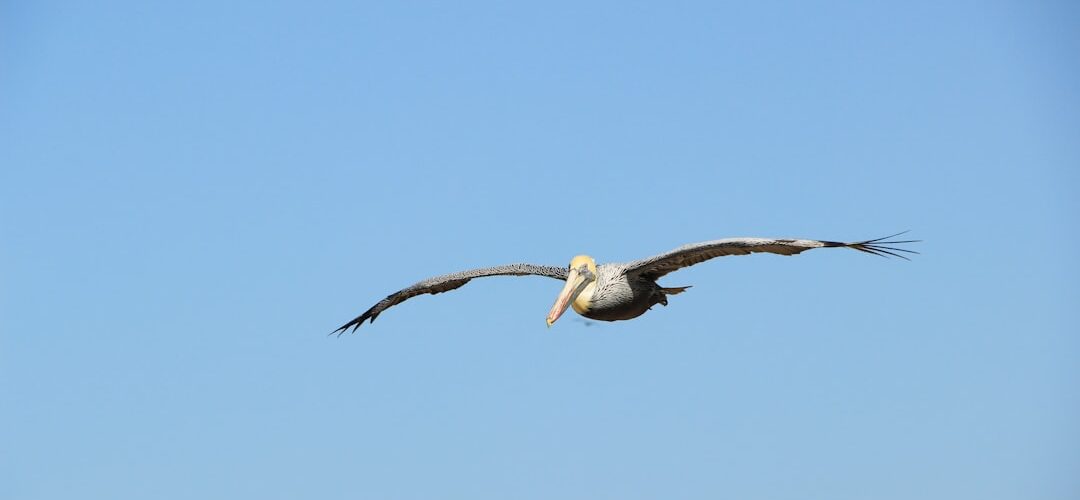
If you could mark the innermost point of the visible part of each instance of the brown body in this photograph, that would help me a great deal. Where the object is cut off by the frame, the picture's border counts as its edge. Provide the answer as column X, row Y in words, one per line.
column 616, row 296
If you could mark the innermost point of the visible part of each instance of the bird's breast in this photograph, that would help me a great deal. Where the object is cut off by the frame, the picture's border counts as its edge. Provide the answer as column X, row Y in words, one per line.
column 617, row 299
column 583, row 302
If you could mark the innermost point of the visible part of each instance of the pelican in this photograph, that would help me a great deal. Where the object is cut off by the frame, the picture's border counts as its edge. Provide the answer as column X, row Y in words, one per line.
column 619, row 291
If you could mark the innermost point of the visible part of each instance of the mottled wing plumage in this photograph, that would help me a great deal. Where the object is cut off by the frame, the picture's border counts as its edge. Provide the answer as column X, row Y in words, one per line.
column 449, row 282
column 694, row 253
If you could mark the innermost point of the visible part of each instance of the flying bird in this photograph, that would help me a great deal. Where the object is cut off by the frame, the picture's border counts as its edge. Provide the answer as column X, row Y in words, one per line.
column 618, row 291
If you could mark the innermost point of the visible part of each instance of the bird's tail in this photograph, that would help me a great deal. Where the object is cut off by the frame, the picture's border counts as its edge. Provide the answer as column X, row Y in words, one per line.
column 674, row 290
column 661, row 298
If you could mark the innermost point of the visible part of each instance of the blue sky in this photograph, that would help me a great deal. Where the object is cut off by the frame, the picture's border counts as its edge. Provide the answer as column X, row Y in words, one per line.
column 193, row 195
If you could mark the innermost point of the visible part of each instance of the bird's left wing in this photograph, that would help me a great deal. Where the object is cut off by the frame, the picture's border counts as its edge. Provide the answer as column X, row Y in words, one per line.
column 449, row 282
column 694, row 253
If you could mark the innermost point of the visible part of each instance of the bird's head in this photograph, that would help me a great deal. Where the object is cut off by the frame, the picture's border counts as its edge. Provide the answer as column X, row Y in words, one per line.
column 581, row 278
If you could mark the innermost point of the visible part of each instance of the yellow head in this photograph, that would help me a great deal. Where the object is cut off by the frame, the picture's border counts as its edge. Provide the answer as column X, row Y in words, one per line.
column 580, row 283
column 583, row 260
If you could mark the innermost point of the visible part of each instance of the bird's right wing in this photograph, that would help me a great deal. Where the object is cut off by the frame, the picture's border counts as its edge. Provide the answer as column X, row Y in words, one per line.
column 449, row 282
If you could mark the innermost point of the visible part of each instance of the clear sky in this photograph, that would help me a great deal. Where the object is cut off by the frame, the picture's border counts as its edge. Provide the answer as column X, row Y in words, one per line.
column 193, row 194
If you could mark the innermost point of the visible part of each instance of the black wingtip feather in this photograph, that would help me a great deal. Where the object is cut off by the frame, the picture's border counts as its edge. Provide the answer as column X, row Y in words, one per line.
column 882, row 246
column 354, row 324
column 358, row 321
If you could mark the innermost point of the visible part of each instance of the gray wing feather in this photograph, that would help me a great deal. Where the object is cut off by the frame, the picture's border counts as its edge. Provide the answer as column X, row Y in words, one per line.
column 694, row 253
column 447, row 282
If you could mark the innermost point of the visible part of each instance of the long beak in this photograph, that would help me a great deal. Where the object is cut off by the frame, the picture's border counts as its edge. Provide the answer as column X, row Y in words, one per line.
column 575, row 283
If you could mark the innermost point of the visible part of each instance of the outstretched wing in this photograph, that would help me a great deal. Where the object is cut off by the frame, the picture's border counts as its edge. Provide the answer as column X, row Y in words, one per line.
column 694, row 253
column 445, row 283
